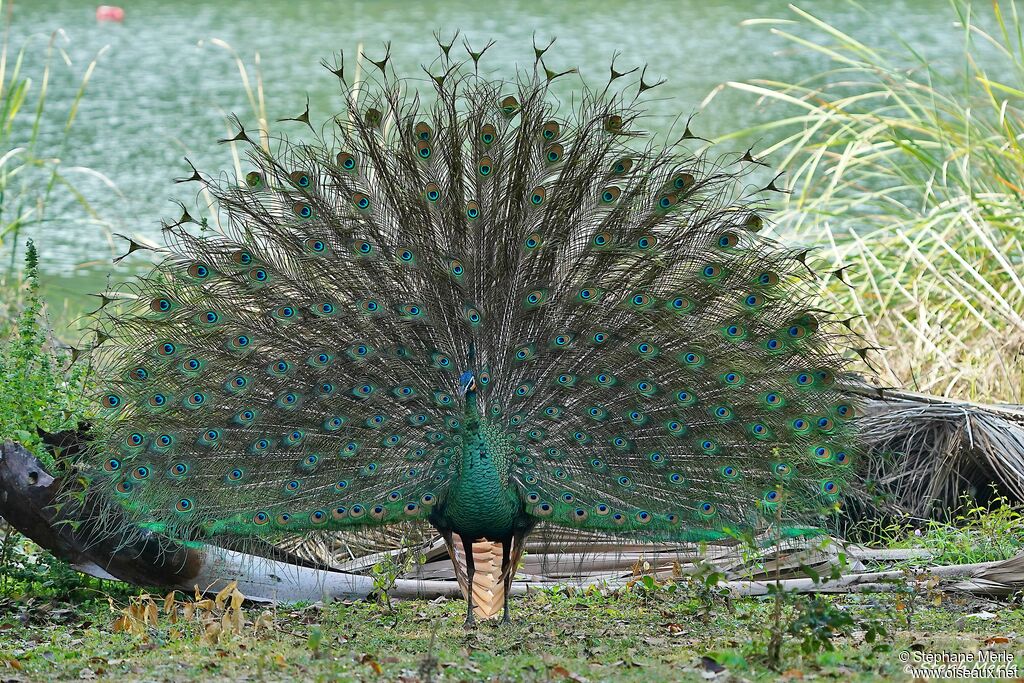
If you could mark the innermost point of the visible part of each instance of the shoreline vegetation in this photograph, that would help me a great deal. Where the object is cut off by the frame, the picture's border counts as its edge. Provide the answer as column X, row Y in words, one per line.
column 913, row 180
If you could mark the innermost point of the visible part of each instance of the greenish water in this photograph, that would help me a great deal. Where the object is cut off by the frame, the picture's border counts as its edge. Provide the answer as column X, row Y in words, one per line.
column 162, row 89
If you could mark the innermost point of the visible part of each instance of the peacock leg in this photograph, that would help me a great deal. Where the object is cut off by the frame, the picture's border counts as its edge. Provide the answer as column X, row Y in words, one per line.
column 467, row 548
column 507, row 573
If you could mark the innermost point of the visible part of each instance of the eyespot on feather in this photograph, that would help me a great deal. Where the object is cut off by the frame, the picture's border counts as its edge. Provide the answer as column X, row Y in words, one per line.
column 538, row 195
column 622, row 166
column 553, row 153
column 346, row 161
column 300, row 178
column 509, row 106
column 423, row 131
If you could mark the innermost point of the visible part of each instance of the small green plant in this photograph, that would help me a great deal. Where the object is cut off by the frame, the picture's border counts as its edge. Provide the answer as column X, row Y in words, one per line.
column 705, row 586
column 387, row 570
column 973, row 532
column 913, row 591
column 37, row 390
column 818, row 621
column 27, row 569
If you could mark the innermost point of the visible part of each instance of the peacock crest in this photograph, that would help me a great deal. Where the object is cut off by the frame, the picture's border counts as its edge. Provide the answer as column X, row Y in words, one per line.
column 461, row 271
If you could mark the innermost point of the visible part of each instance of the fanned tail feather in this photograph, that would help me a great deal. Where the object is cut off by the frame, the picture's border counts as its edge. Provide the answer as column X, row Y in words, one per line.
column 655, row 364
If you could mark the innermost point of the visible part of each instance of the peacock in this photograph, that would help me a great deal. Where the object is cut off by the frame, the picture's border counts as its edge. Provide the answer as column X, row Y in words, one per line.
column 467, row 302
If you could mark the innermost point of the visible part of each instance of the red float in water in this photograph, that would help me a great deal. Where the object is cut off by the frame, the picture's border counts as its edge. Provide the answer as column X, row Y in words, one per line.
column 109, row 13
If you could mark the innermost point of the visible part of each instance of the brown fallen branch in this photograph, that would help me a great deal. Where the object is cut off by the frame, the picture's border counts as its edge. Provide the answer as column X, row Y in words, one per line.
column 887, row 580
column 1001, row 579
column 27, row 496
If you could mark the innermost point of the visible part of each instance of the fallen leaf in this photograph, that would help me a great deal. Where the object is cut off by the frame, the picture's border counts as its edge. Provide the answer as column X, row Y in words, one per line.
column 225, row 623
column 561, row 672
column 369, row 661
column 151, row 613
column 264, row 621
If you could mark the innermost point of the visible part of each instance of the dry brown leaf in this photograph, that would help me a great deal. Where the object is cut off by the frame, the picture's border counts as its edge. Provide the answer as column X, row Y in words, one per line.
column 225, row 624
column 169, row 602
column 560, row 672
column 237, row 599
column 238, row 620
column 188, row 610
column 223, row 593
column 369, row 661
column 198, row 594
column 264, row 621
column 152, row 613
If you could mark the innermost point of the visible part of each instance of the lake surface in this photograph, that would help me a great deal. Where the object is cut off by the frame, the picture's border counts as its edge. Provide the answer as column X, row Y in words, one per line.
column 162, row 89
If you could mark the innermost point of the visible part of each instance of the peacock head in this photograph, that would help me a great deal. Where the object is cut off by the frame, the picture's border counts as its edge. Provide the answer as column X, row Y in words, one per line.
column 467, row 382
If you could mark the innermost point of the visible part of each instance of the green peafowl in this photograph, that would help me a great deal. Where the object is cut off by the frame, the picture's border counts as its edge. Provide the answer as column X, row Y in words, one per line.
column 490, row 312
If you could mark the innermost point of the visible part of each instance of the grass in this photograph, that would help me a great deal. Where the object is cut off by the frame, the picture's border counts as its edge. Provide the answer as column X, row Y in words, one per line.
column 973, row 533
column 573, row 636
column 33, row 170
column 911, row 171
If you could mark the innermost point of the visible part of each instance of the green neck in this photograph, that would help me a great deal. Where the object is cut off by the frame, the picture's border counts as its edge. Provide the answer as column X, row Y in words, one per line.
column 484, row 451
column 471, row 413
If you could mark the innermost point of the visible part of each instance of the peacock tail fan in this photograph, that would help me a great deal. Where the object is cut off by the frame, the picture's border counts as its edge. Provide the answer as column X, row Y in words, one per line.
column 646, row 364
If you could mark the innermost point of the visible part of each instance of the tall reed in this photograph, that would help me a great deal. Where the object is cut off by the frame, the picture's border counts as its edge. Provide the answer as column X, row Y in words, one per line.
column 31, row 171
column 911, row 170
